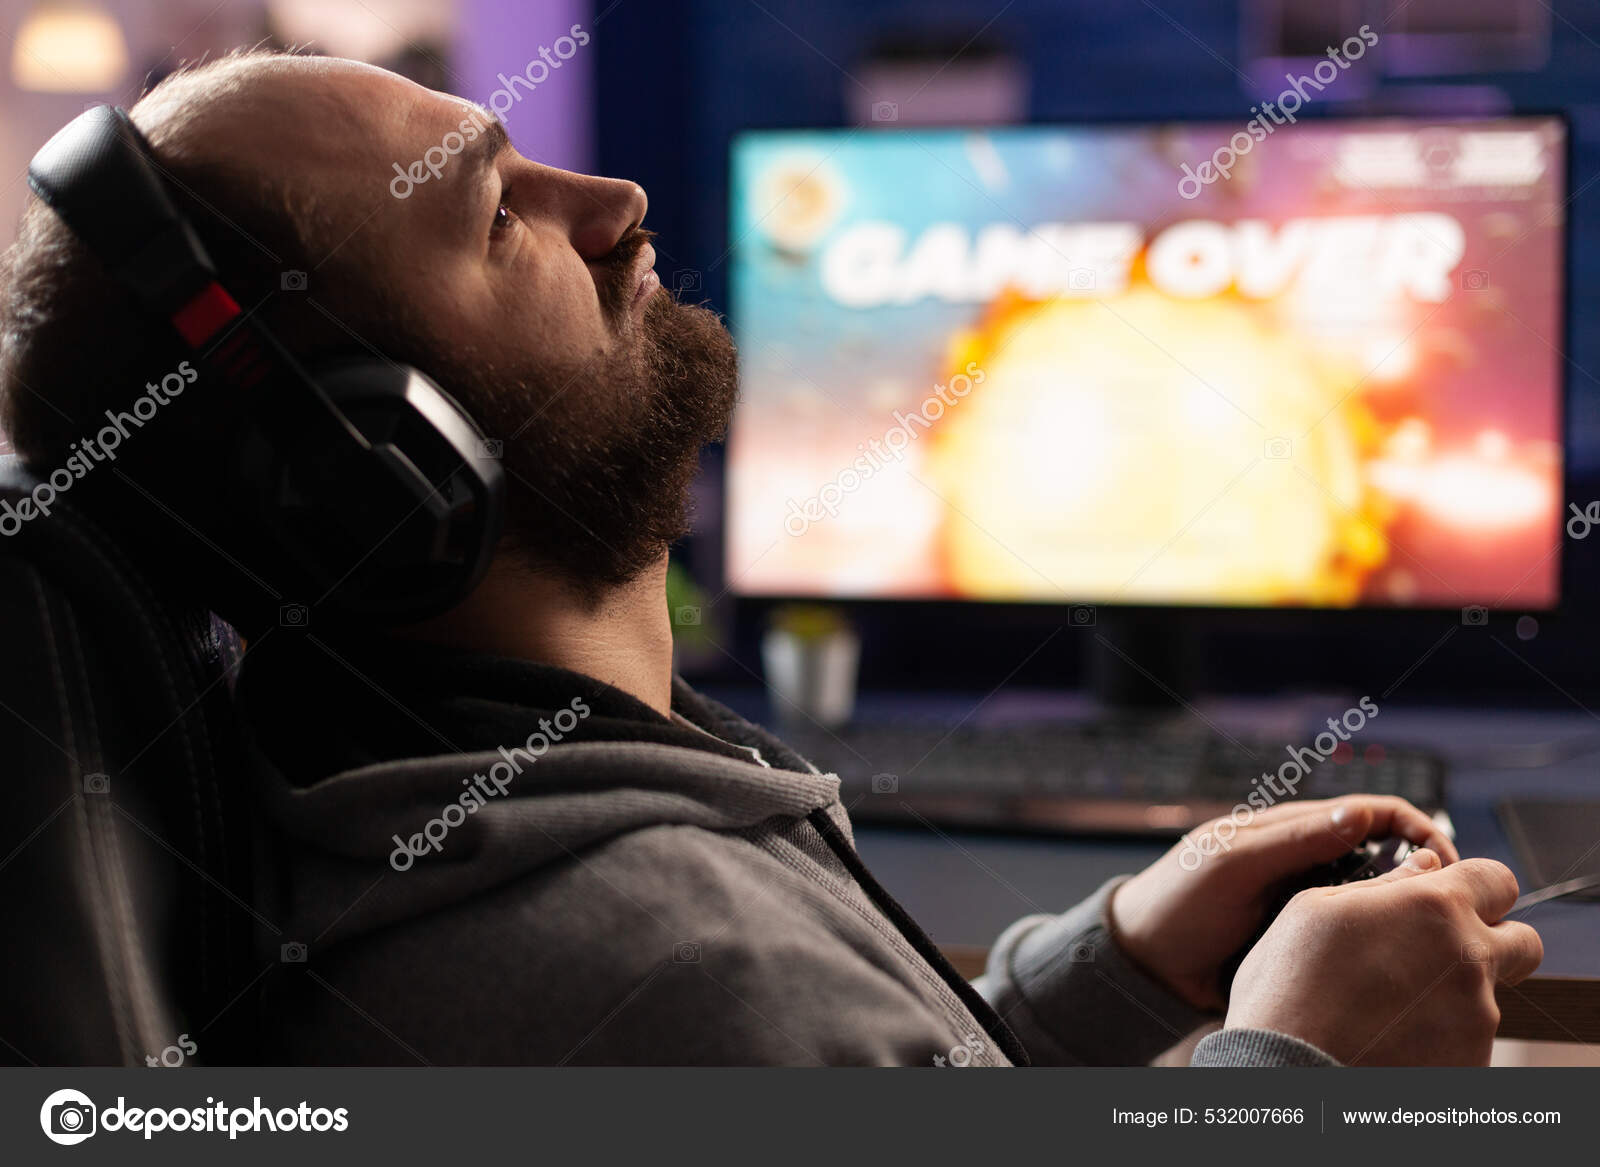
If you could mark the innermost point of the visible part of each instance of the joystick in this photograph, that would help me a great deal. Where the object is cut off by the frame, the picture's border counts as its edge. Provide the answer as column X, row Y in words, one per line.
column 1368, row 861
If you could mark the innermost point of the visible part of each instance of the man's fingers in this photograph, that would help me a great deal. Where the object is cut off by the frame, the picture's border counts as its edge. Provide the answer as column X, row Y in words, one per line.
column 1396, row 818
column 1517, row 951
column 1418, row 862
column 1290, row 844
column 1292, row 839
column 1392, row 816
column 1490, row 886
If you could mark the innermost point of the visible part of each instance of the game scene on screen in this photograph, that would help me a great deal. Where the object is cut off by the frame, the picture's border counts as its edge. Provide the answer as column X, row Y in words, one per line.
column 1042, row 364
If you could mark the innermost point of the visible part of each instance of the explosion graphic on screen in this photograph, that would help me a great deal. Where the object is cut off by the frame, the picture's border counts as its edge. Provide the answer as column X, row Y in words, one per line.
column 1068, row 452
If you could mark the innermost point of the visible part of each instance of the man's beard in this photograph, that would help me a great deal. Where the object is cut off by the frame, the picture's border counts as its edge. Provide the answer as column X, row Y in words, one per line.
column 599, row 460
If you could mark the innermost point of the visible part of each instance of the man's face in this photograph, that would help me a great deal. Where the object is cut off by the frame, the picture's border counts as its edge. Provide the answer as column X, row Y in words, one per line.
column 529, row 293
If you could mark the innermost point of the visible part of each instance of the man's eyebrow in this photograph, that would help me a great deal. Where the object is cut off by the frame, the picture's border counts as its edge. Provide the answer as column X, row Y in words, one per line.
column 480, row 154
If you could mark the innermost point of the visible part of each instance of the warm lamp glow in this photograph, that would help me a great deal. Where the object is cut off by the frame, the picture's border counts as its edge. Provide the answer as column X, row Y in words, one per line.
column 69, row 46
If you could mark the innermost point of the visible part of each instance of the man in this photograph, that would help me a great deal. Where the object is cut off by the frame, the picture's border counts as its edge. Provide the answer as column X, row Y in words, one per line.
column 508, row 834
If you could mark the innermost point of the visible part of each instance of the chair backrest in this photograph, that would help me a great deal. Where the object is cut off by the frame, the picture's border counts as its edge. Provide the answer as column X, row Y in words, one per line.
column 124, row 849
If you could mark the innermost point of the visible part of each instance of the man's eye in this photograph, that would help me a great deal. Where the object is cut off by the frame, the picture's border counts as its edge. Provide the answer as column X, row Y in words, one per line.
column 502, row 219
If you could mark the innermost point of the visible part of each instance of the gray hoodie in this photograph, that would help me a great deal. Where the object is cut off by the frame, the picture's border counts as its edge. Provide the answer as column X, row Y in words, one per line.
column 616, row 888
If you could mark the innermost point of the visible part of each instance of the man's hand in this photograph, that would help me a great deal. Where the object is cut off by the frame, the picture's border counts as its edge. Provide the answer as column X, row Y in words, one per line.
column 1398, row 970
column 1185, row 915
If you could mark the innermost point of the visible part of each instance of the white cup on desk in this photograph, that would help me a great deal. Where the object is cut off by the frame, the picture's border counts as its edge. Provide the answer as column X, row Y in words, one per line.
column 811, row 656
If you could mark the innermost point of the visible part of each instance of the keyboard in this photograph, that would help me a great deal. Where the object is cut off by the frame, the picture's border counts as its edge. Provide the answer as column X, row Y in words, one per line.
column 1110, row 777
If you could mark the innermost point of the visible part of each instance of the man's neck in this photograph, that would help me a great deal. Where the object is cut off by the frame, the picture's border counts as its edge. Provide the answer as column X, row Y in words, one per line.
column 624, row 639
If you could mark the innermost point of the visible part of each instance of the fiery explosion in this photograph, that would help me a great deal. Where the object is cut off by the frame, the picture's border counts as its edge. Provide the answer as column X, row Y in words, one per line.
column 1149, row 450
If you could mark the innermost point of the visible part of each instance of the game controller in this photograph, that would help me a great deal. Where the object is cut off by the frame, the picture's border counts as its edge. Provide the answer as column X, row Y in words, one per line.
column 1366, row 862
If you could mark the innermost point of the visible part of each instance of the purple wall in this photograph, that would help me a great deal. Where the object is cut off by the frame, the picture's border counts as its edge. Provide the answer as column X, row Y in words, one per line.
column 552, row 119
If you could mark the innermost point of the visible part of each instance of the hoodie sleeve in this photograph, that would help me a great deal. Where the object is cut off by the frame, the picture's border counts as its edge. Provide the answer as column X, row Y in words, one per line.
column 1257, row 1047
column 1074, row 998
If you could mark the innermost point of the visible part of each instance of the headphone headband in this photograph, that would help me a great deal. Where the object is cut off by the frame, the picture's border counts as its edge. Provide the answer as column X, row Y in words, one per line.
column 97, row 175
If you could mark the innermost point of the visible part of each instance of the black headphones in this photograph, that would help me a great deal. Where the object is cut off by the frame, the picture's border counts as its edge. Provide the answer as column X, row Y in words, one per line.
column 373, row 491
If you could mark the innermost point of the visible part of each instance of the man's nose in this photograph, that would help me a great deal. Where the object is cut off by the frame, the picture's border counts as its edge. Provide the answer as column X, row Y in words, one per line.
column 603, row 211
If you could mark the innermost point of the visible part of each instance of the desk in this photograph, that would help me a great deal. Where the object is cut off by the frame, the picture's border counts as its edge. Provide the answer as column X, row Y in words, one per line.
column 963, row 888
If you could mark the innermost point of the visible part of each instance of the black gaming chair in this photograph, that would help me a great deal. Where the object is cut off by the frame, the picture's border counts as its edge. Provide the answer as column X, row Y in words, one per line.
column 125, row 855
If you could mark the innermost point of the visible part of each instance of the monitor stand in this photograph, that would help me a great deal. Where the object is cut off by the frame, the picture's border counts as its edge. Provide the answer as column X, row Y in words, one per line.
column 1146, row 671
column 1141, row 665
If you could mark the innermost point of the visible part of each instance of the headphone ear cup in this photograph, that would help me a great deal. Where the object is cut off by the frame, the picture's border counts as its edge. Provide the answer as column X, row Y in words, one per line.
column 392, row 515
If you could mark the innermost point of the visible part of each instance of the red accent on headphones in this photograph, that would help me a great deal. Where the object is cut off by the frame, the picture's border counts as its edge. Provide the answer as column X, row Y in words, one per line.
column 203, row 317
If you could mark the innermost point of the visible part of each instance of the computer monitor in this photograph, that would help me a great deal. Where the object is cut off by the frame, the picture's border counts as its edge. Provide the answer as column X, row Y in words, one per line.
column 1311, row 365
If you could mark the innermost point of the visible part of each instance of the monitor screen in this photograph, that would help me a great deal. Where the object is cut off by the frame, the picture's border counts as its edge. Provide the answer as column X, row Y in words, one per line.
column 1151, row 365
